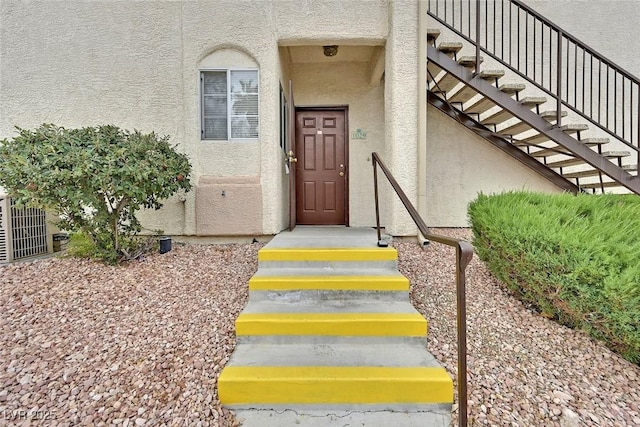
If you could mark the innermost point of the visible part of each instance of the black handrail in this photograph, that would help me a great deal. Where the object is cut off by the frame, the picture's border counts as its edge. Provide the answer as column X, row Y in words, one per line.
column 555, row 61
column 464, row 253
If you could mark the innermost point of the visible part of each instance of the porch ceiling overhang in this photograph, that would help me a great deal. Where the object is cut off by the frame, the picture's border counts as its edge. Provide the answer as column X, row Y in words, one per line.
column 372, row 55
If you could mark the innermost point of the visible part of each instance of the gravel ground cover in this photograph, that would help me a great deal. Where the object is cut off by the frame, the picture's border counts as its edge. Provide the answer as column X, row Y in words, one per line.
column 143, row 344
column 82, row 343
column 524, row 370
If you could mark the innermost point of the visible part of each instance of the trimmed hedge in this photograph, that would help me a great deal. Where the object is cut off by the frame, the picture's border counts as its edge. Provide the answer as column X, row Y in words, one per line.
column 575, row 258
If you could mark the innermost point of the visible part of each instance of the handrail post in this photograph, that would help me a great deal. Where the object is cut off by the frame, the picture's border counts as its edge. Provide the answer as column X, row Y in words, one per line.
column 477, row 36
column 464, row 253
column 559, row 81
column 375, row 185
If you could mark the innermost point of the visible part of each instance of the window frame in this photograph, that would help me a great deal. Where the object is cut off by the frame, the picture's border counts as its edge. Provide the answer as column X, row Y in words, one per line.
column 228, row 72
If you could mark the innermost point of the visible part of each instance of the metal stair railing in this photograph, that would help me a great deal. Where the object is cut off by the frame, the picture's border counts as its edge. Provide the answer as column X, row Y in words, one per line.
column 464, row 254
column 558, row 63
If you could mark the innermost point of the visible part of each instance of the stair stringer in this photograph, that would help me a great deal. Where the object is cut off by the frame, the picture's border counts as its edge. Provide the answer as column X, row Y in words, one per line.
column 551, row 131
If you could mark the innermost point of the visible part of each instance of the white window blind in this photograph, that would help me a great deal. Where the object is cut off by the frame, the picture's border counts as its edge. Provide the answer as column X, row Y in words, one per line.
column 229, row 104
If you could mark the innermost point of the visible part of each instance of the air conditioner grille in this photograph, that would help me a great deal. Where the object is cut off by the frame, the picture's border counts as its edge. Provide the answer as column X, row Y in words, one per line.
column 28, row 231
column 4, row 251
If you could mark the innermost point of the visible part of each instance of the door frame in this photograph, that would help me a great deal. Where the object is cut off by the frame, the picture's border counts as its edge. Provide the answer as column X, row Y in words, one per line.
column 345, row 110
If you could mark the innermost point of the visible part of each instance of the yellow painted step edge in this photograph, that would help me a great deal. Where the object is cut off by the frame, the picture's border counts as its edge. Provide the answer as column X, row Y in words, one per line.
column 332, row 324
column 334, row 384
column 349, row 283
column 328, row 254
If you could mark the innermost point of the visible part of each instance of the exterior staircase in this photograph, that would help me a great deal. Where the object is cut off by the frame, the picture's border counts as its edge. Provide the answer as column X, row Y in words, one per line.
column 557, row 124
column 329, row 330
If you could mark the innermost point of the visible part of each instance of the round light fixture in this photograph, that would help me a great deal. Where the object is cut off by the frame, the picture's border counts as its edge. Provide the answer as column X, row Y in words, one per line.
column 330, row 50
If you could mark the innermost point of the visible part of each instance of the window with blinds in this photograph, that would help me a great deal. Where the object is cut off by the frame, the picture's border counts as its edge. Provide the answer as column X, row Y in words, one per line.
column 229, row 104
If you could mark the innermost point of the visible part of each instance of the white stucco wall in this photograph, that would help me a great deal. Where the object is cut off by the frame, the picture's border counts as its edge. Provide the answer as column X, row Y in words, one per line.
column 608, row 26
column 317, row 22
column 401, row 111
column 64, row 62
column 461, row 164
column 136, row 65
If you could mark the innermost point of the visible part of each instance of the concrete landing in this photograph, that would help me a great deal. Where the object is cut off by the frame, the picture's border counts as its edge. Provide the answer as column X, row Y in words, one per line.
column 305, row 236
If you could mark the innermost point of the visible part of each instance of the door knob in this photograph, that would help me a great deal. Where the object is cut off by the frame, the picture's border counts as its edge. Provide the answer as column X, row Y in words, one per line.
column 291, row 158
column 341, row 173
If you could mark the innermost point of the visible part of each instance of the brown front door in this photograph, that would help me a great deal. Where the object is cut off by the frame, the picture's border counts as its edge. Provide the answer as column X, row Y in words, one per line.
column 321, row 173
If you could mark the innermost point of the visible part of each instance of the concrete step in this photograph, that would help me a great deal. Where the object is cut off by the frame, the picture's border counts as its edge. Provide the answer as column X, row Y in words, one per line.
column 577, row 160
column 331, row 318
column 328, row 257
column 450, row 48
column 574, row 128
column 294, row 285
column 485, row 104
column 597, row 185
column 551, row 151
column 250, row 385
column 331, row 324
column 325, row 279
column 469, row 61
column 504, row 115
column 520, row 127
column 467, row 92
column 329, row 307
column 590, row 142
column 449, row 81
column 595, row 172
column 540, row 138
column 295, row 296
column 351, row 415
column 410, row 354
column 432, row 35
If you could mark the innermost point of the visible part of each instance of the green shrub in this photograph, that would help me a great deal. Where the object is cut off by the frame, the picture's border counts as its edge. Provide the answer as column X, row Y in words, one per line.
column 575, row 258
column 81, row 246
column 95, row 178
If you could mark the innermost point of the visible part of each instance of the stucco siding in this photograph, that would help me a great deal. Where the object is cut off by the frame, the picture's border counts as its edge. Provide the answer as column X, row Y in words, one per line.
column 401, row 111
column 228, row 206
column 62, row 62
column 331, row 21
column 608, row 26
